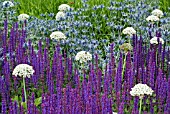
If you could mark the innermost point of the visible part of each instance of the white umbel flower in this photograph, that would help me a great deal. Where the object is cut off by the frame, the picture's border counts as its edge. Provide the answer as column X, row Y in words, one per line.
column 7, row 4
column 129, row 31
column 83, row 56
column 152, row 18
column 57, row 35
column 157, row 13
column 140, row 90
column 23, row 70
column 154, row 40
column 23, row 17
column 114, row 113
column 60, row 15
column 63, row 7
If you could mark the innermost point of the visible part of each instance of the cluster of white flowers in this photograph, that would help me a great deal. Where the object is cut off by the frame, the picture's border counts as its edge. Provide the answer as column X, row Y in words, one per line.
column 154, row 40
column 63, row 7
column 23, row 17
column 7, row 4
column 157, row 13
column 57, row 35
column 60, row 15
column 129, row 31
column 140, row 90
column 152, row 18
column 23, row 70
column 83, row 56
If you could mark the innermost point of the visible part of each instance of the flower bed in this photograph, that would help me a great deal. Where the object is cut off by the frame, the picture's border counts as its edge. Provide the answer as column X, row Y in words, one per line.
column 128, row 74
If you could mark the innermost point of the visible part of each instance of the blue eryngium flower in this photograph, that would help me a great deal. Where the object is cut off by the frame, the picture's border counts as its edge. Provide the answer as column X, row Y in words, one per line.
column 51, row 15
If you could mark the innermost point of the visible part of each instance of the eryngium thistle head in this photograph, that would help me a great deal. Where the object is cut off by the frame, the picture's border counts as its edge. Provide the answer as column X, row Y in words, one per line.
column 126, row 47
column 83, row 56
column 154, row 40
column 7, row 4
column 23, row 17
column 152, row 18
column 63, row 7
column 23, row 70
column 157, row 13
column 140, row 90
column 129, row 31
column 57, row 35
column 60, row 15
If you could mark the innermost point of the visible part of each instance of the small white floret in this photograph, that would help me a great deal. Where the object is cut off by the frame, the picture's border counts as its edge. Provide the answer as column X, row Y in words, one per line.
column 23, row 70
column 154, row 40
column 60, row 15
column 23, row 17
column 7, row 4
column 129, row 31
column 157, row 13
column 63, row 7
column 57, row 35
column 83, row 56
column 140, row 90
column 152, row 18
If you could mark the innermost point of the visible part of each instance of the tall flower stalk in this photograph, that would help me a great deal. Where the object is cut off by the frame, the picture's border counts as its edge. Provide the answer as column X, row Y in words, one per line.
column 140, row 106
column 124, row 64
column 140, row 90
column 23, row 70
column 25, row 93
column 126, row 48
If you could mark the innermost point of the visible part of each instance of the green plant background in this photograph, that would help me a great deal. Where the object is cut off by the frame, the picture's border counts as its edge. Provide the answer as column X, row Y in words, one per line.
column 36, row 7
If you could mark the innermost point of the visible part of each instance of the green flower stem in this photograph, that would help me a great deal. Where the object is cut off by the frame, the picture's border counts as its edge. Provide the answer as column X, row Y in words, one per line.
column 25, row 94
column 124, row 64
column 129, row 39
column 140, row 106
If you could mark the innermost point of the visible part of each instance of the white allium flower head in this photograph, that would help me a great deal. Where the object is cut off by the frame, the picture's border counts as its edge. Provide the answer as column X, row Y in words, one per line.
column 157, row 13
column 152, row 18
column 154, row 40
column 23, row 70
column 83, row 56
column 114, row 113
column 63, row 7
column 57, row 35
column 60, row 15
column 129, row 31
column 23, row 17
column 140, row 90
column 7, row 4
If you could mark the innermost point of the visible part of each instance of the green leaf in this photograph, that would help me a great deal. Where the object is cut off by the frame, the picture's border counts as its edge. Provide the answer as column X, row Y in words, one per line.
column 15, row 98
column 38, row 101
column 154, row 100
column 147, row 101
column 24, row 104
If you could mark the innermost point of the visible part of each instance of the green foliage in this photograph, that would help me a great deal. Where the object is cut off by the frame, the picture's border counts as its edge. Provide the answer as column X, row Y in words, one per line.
column 37, row 7
column 24, row 104
column 38, row 101
column 17, row 98
column 164, row 4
